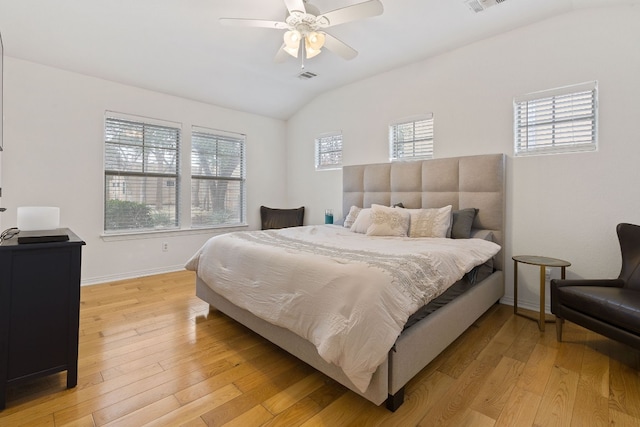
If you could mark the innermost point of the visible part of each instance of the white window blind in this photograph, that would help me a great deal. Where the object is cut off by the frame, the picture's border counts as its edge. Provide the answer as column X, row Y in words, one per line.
column 141, row 170
column 557, row 120
column 412, row 139
column 218, row 175
column 328, row 151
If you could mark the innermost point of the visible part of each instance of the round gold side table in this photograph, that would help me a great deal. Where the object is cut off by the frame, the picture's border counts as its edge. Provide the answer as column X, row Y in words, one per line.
column 543, row 262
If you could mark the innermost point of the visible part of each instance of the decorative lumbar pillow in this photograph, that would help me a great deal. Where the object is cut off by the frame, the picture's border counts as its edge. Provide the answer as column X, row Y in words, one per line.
column 462, row 222
column 362, row 222
column 386, row 221
column 351, row 216
column 433, row 222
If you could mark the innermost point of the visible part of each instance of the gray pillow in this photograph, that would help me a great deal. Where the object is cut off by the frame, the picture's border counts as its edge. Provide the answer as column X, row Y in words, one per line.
column 462, row 222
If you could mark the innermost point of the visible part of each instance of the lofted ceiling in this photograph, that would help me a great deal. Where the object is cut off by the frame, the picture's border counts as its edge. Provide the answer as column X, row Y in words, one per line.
column 178, row 47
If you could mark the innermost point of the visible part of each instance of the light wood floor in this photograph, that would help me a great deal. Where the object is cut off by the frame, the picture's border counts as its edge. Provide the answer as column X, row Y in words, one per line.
column 152, row 353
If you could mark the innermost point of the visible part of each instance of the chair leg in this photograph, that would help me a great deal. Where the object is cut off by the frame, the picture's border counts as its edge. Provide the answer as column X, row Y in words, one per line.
column 559, row 322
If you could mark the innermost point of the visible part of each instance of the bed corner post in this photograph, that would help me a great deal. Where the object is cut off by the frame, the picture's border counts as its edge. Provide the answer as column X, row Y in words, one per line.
column 395, row 400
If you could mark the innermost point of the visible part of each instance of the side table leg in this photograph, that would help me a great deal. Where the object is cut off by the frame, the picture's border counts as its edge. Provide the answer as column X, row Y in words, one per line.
column 542, row 299
column 515, row 286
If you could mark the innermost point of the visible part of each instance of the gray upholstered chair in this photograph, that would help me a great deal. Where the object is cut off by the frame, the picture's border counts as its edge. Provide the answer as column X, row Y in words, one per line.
column 610, row 307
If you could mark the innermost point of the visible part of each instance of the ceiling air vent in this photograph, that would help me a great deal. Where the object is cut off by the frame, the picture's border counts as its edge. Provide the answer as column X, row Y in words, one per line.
column 480, row 5
column 306, row 75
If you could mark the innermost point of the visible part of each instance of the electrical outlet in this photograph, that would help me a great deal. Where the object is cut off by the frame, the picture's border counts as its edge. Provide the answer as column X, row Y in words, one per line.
column 165, row 246
column 547, row 273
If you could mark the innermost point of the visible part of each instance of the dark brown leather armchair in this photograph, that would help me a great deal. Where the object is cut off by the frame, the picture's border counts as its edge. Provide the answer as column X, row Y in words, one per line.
column 281, row 218
column 610, row 307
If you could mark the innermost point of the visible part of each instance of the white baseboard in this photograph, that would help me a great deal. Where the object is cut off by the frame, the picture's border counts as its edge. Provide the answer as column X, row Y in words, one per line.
column 130, row 275
column 527, row 305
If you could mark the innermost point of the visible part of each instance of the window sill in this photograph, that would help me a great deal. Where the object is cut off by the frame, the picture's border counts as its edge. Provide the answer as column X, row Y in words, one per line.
column 170, row 233
column 328, row 168
column 568, row 150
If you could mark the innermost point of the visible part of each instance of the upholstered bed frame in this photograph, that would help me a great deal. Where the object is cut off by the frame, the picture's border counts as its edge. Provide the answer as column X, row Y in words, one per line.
column 463, row 182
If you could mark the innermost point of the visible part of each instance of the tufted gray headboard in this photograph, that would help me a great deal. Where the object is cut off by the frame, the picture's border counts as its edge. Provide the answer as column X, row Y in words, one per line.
column 463, row 182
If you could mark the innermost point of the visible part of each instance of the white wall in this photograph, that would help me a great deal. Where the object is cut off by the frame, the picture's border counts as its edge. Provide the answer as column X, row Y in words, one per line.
column 53, row 141
column 563, row 206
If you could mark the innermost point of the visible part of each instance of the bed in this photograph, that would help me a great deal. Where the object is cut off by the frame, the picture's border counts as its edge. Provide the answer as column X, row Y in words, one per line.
column 476, row 182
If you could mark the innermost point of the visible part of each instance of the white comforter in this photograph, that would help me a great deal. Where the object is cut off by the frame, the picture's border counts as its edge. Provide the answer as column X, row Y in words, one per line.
column 347, row 293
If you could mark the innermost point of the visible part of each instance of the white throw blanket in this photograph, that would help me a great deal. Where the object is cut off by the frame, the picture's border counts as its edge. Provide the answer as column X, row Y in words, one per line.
column 347, row 293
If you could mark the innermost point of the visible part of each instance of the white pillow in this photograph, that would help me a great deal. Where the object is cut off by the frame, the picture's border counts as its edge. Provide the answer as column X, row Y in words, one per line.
column 351, row 216
column 386, row 221
column 434, row 222
column 362, row 222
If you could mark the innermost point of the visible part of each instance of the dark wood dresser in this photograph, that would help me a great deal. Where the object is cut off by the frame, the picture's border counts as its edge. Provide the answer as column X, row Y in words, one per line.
column 39, row 310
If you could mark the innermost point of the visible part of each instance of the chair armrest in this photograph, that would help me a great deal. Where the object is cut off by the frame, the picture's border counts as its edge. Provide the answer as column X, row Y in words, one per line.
column 612, row 283
column 556, row 284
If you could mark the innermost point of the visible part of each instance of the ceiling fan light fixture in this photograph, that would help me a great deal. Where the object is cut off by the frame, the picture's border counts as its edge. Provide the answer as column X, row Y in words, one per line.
column 293, row 51
column 304, row 23
column 292, row 40
column 315, row 40
column 311, row 52
column 313, row 43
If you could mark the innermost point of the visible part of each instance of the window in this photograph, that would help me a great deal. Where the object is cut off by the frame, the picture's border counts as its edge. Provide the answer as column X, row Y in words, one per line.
column 412, row 139
column 141, row 169
column 329, row 151
column 217, row 178
column 556, row 121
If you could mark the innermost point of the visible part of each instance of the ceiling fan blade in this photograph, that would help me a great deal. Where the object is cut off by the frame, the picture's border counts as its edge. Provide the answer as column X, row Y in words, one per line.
column 240, row 22
column 295, row 5
column 351, row 13
column 339, row 47
column 281, row 55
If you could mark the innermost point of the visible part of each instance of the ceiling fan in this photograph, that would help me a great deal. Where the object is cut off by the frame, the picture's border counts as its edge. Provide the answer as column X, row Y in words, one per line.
column 305, row 27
